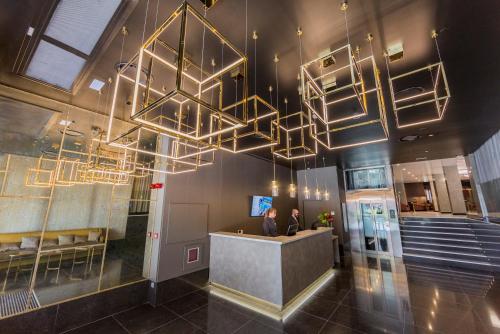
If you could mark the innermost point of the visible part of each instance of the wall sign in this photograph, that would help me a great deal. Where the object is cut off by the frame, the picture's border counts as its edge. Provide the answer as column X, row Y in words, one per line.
column 193, row 254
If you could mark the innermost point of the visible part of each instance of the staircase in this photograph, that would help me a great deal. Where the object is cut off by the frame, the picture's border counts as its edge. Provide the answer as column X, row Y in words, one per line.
column 452, row 242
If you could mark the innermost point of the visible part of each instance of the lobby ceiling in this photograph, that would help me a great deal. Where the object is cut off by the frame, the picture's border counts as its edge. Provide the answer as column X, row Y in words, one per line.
column 468, row 34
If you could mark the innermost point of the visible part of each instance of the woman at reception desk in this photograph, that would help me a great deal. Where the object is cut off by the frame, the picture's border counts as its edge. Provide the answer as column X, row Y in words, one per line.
column 271, row 275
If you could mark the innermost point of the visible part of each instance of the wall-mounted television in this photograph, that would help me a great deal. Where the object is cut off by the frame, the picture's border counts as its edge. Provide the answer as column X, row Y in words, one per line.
column 260, row 204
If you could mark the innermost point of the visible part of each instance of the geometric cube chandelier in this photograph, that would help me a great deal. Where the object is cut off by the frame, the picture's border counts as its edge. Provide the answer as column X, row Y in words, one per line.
column 420, row 96
column 332, row 85
column 184, row 76
column 331, row 82
column 295, row 129
column 261, row 130
column 295, row 139
column 351, row 132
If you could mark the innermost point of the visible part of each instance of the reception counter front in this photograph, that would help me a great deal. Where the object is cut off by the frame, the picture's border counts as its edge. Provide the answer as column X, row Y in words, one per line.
column 270, row 274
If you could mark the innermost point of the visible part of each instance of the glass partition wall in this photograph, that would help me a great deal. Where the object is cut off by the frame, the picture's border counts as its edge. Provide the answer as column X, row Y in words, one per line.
column 63, row 235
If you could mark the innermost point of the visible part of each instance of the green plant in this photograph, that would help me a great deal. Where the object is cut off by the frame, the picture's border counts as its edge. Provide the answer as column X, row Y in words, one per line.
column 325, row 218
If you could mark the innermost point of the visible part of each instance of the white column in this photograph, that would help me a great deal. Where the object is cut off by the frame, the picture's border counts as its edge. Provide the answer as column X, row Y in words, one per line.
column 455, row 191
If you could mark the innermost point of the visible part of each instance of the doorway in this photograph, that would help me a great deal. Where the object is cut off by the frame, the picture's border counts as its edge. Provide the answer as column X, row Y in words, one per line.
column 375, row 229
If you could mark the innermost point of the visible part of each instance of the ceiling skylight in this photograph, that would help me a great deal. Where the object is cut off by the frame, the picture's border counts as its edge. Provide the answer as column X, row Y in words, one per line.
column 80, row 24
column 55, row 65
column 69, row 40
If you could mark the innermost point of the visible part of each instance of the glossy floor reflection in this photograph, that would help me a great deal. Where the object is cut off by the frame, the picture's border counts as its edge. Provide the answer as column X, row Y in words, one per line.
column 367, row 295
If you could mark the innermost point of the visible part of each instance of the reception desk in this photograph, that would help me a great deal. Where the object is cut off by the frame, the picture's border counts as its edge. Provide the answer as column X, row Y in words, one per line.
column 270, row 274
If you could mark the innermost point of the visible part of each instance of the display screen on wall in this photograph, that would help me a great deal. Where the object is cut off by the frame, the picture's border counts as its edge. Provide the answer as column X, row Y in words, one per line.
column 260, row 204
column 368, row 178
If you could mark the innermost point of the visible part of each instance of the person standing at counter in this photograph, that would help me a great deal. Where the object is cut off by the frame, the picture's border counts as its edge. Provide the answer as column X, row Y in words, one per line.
column 269, row 224
column 294, row 219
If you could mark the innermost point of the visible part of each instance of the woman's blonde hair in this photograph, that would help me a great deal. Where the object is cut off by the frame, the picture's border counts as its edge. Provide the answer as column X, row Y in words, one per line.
column 270, row 210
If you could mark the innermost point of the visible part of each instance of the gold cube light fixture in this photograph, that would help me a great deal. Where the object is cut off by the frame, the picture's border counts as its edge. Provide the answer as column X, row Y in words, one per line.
column 295, row 140
column 419, row 96
column 332, row 86
column 262, row 130
column 355, row 132
column 185, row 73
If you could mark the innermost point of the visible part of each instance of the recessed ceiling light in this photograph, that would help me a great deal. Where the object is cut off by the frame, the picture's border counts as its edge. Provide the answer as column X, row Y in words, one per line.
column 30, row 31
column 404, row 168
column 409, row 138
column 96, row 85
column 430, row 135
column 65, row 122
column 426, row 151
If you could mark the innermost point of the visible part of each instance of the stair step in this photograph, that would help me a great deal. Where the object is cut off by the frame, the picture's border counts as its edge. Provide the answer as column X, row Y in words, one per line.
column 436, row 228
column 482, row 265
column 471, row 235
column 442, row 240
column 463, row 274
column 431, row 244
column 442, row 224
column 451, row 238
column 411, row 249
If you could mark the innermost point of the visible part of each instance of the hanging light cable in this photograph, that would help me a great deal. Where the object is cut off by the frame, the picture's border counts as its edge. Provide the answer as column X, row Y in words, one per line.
column 326, row 195
column 292, row 188
column 274, row 183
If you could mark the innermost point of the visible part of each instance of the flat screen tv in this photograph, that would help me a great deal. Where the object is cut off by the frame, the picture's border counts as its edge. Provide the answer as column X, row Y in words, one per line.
column 260, row 204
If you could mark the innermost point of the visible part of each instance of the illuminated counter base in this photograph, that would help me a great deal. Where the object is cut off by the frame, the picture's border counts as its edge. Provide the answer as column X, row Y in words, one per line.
column 270, row 275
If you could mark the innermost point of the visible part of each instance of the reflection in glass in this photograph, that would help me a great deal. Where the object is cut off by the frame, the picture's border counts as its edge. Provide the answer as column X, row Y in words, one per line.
column 61, row 238
column 373, row 218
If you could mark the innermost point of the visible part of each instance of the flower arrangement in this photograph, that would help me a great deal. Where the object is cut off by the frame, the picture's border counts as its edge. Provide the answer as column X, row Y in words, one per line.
column 326, row 218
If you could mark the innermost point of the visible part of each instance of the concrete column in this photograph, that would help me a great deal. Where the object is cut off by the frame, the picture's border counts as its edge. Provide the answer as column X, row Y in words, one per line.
column 455, row 190
column 434, row 196
column 400, row 191
column 152, row 249
column 476, row 186
column 442, row 193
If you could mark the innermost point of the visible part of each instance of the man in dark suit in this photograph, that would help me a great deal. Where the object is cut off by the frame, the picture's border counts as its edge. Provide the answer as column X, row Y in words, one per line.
column 269, row 224
column 294, row 219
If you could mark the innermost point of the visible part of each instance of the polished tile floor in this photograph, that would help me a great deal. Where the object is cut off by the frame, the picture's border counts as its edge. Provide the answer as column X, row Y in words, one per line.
column 367, row 295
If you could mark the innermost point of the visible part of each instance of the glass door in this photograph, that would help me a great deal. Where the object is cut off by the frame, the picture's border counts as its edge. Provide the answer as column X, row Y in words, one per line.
column 368, row 226
column 374, row 220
